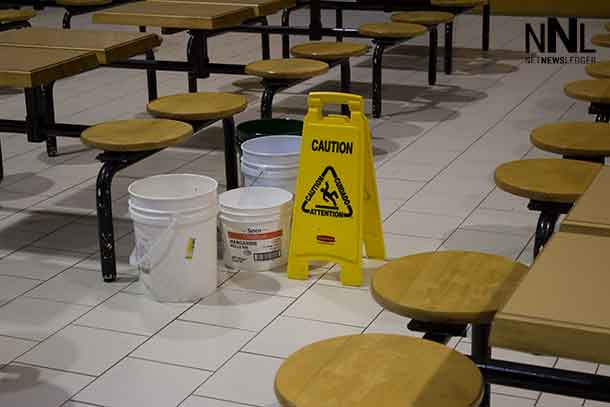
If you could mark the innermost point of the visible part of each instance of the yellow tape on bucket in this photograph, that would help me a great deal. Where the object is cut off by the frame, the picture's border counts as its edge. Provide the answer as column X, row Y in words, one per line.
column 336, row 202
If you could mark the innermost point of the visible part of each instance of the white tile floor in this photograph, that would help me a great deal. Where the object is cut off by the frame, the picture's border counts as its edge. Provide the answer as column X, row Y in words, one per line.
column 67, row 339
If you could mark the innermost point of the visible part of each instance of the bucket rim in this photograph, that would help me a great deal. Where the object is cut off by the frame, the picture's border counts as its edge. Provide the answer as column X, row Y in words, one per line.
column 213, row 187
column 245, row 150
column 227, row 199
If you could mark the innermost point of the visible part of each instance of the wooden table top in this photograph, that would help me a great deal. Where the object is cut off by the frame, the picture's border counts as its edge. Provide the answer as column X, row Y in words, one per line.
column 261, row 7
column 591, row 213
column 108, row 46
column 175, row 15
column 22, row 68
column 561, row 306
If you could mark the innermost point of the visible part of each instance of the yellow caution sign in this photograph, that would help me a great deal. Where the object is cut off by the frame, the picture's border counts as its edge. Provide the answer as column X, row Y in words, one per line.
column 336, row 204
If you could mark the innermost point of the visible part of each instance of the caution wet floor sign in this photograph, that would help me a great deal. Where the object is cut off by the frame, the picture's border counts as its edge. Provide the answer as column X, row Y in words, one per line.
column 336, row 203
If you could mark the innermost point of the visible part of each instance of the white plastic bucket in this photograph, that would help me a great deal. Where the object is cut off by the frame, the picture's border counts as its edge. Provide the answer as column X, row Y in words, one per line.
column 284, row 177
column 272, row 150
column 174, row 218
column 255, row 227
column 271, row 161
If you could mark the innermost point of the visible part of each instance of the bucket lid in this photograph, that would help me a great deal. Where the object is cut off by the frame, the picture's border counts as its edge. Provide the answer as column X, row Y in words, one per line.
column 254, row 198
column 173, row 187
column 273, row 146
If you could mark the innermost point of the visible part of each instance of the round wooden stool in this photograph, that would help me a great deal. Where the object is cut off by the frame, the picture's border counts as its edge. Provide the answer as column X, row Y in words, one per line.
column 599, row 70
column 76, row 7
column 443, row 292
column 575, row 140
column 333, row 53
column 10, row 19
column 125, row 142
column 431, row 19
column 278, row 74
column 385, row 35
column 551, row 185
column 202, row 109
column 601, row 40
column 374, row 370
column 594, row 91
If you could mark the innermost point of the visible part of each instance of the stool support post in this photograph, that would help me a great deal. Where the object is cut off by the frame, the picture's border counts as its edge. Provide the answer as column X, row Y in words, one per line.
column 544, row 229
column 197, row 55
column 67, row 20
column 271, row 87
column 481, row 353
column 105, row 227
column 601, row 112
column 346, row 79
column 486, row 26
column 549, row 214
column 112, row 163
column 265, row 43
column 228, row 125
column 377, row 66
column 449, row 47
column 432, row 55
column 49, row 105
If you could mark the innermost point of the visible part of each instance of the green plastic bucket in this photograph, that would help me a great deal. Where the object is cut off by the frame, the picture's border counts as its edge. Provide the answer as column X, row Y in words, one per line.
column 268, row 127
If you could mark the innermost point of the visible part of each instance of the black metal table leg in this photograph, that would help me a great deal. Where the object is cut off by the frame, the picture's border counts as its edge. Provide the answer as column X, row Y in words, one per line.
column 346, row 80
column 315, row 20
column 432, row 55
column 197, row 55
column 377, row 68
column 231, row 171
column 1, row 164
column 49, row 105
column 265, row 43
column 481, row 353
column 339, row 23
column 449, row 48
column 486, row 26
column 34, row 114
column 286, row 37
column 151, row 74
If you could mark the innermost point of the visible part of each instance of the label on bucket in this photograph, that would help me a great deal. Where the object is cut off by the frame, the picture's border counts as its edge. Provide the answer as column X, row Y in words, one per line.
column 255, row 245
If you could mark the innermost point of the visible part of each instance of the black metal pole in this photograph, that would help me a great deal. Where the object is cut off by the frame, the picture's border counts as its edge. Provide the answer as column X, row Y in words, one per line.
column 481, row 353
column 285, row 36
column 486, row 26
column 432, row 55
column 231, row 171
column 151, row 74
column 346, row 83
column 265, row 43
column 339, row 23
column 547, row 380
column 315, row 20
column 49, row 106
column 377, row 68
column 449, row 47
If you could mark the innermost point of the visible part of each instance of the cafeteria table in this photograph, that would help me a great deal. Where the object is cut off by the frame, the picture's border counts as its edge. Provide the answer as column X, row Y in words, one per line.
column 561, row 308
column 591, row 213
column 202, row 20
column 34, row 58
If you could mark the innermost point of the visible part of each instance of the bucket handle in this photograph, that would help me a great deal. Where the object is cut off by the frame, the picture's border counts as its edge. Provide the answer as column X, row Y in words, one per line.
column 162, row 242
